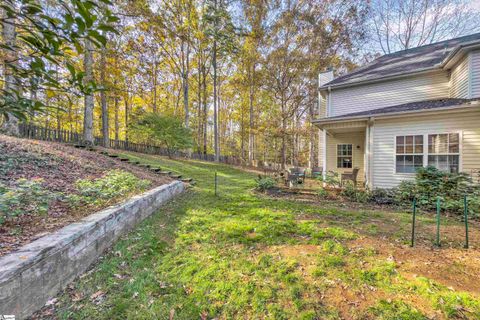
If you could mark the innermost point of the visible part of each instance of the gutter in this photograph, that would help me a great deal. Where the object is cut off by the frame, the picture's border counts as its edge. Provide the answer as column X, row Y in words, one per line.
column 396, row 114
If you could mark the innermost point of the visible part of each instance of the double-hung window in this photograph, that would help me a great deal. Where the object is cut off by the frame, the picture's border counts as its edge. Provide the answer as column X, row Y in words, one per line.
column 344, row 156
column 409, row 153
column 444, row 151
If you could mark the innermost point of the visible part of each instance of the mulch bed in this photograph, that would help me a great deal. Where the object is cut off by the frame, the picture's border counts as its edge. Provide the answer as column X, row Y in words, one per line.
column 59, row 166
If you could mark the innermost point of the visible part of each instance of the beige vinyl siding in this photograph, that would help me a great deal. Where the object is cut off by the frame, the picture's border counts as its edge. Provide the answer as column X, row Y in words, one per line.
column 467, row 123
column 389, row 93
column 475, row 74
column 353, row 138
column 459, row 79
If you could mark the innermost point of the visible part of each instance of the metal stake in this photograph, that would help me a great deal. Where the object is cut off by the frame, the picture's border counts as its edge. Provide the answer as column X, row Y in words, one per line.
column 465, row 207
column 438, row 221
column 215, row 182
column 413, row 221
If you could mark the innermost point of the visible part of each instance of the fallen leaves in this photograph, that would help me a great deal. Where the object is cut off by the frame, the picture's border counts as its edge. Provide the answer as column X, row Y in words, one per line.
column 98, row 297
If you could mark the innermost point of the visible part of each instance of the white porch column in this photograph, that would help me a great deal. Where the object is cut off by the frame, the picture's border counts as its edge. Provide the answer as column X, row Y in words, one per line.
column 324, row 153
column 366, row 156
column 368, row 163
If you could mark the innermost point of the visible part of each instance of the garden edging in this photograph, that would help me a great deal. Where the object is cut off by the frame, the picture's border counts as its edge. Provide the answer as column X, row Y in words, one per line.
column 34, row 274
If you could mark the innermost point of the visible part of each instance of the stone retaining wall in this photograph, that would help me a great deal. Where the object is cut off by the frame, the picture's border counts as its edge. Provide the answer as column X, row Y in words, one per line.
column 39, row 270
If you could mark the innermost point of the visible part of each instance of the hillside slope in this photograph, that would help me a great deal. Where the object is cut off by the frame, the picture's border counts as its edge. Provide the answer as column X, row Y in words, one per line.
column 40, row 192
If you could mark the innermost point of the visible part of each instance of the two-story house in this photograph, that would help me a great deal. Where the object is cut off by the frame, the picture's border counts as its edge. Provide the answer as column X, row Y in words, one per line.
column 404, row 110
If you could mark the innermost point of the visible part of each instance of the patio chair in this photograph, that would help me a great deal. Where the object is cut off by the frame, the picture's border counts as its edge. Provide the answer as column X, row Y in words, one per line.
column 298, row 172
column 317, row 172
column 350, row 176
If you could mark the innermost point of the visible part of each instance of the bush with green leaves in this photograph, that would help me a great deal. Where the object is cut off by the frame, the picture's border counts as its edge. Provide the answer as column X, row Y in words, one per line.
column 331, row 179
column 352, row 193
column 114, row 184
column 431, row 183
column 24, row 197
column 47, row 42
column 163, row 130
column 383, row 196
column 265, row 183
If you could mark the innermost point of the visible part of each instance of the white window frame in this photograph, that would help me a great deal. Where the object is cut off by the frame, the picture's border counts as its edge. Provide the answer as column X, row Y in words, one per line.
column 425, row 149
column 336, row 155
column 459, row 154
column 409, row 154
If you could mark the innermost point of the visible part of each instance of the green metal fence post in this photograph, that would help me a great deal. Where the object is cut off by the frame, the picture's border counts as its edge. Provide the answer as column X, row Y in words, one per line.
column 215, row 182
column 465, row 209
column 413, row 221
column 438, row 221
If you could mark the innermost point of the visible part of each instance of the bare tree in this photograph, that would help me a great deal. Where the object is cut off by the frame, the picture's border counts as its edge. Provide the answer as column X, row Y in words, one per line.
column 402, row 24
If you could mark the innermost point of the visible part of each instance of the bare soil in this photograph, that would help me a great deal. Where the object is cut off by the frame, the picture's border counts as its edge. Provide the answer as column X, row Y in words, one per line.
column 59, row 166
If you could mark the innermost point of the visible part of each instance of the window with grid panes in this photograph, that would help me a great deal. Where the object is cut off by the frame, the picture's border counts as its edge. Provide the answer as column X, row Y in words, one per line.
column 409, row 153
column 344, row 155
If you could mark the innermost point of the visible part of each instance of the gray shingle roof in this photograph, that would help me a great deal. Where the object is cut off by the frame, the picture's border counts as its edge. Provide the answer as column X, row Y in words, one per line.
column 404, row 62
column 407, row 107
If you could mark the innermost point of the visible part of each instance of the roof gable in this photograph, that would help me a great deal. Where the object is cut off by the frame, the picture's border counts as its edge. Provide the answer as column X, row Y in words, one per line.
column 404, row 62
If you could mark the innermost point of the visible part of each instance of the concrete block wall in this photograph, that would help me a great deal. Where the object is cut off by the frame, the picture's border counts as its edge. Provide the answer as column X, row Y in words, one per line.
column 39, row 270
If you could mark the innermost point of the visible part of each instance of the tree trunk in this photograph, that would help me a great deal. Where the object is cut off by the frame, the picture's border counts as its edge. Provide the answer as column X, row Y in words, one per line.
column 251, row 133
column 103, row 100
column 205, row 113
column 284, row 132
column 10, row 126
column 295, row 141
column 199, row 111
column 89, row 102
column 215, row 102
column 155, row 66
column 126, row 118
column 185, row 75
column 117, row 124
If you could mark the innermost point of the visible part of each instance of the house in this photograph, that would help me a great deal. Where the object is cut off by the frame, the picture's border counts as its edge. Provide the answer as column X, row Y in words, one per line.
column 404, row 110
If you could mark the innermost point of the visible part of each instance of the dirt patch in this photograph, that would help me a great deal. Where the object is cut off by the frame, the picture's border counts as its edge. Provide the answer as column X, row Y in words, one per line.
column 59, row 167
column 455, row 268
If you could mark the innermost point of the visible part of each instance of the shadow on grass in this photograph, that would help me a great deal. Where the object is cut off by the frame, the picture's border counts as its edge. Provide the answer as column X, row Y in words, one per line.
column 215, row 256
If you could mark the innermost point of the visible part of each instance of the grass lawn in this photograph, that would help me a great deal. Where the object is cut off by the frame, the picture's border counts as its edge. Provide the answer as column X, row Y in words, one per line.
column 248, row 256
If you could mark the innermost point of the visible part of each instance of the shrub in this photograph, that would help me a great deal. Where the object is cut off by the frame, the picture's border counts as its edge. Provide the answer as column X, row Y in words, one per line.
column 24, row 197
column 167, row 131
column 331, row 179
column 431, row 183
column 114, row 184
column 323, row 193
column 383, row 196
column 265, row 183
column 354, row 194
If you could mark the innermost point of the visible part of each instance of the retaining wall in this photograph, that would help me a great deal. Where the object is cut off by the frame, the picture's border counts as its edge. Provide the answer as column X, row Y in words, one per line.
column 39, row 270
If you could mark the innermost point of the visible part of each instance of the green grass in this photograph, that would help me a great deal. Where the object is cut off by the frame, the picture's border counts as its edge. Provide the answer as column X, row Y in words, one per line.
column 220, row 257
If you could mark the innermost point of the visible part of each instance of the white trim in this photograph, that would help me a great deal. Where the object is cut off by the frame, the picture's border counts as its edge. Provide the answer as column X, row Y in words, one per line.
column 405, row 154
column 324, row 155
column 401, row 114
column 329, row 103
column 460, row 146
column 372, row 148
column 425, row 153
column 351, row 156
column 366, row 156
column 470, row 75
